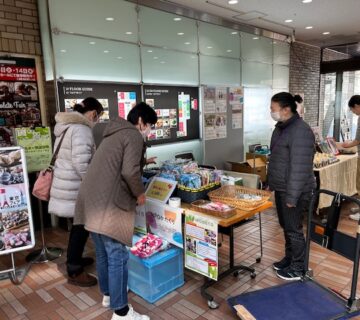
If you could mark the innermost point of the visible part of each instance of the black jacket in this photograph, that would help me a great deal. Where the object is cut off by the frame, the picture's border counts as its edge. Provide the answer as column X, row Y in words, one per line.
column 291, row 162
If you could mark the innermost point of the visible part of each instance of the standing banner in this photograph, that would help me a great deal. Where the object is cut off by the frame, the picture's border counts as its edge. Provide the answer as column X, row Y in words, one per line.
column 201, row 249
column 37, row 145
column 16, row 224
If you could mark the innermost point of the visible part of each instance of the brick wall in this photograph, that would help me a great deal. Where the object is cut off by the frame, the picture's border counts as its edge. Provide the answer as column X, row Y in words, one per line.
column 305, row 78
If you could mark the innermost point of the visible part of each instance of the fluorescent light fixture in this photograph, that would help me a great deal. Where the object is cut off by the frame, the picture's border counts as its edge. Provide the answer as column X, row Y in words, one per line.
column 306, row 1
column 288, row 20
column 119, row 58
column 177, row 19
column 180, row 33
column 109, row 19
column 149, row 51
column 156, row 58
column 187, row 43
column 309, row 27
column 326, row 32
column 63, row 50
column 234, row 32
column 228, row 50
column 233, row 1
column 106, row 51
column 209, row 47
column 255, row 38
column 128, row 32
column 162, row 62
column 92, row 42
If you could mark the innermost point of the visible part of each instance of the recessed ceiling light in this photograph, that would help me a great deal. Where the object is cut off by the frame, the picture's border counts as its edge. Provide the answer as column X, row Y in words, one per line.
column 193, row 57
column 187, row 43
column 255, row 38
column 180, row 33
column 63, row 50
column 234, row 32
column 128, row 32
column 326, row 32
column 209, row 47
column 149, row 51
column 274, row 42
column 119, row 58
column 309, row 27
column 288, row 20
column 92, row 42
column 109, row 19
column 306, row 1
column 177, row 19
column 228, row 50
column 106, row 51
column 233, row 1
column 162, row 62
column 156, row 58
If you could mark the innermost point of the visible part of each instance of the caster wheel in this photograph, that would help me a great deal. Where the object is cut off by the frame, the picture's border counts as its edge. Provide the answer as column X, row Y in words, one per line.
column 258, row 260
column 212, row 304
column 253, row 275
column 236, row 273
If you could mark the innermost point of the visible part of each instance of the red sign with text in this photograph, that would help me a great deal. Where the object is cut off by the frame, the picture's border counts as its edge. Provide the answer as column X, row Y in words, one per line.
column 13, row 73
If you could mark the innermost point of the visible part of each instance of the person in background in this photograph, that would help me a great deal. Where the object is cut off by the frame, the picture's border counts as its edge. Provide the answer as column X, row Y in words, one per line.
column 71, row 166
column 290, row 175
column 107, row 200
column 354, row 105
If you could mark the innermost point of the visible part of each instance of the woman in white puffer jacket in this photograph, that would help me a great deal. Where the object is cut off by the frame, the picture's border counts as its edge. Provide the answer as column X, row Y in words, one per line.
column 74, row 156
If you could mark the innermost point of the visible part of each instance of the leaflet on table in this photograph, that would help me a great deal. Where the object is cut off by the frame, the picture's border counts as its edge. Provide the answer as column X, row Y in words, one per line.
column 37, row 145
column 201, row 249
column 16, row 225
column 215, row 126
column 70, row 103
column 126, row 101
column 160, row 189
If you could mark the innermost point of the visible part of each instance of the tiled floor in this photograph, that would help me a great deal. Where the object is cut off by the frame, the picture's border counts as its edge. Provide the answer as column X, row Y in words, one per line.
column 45, row 293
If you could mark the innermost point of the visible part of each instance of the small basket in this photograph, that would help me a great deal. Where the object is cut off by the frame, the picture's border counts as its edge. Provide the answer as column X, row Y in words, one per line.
column 229, row 196
column 197, row 206
column 189, row 195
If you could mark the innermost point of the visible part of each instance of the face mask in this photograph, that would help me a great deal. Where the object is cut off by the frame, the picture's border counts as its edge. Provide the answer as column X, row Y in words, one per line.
column 145, row 133
column 275, row 116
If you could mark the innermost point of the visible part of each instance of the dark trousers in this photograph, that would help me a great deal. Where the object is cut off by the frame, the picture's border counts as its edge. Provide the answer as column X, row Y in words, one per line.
column 291, row 220
column 75, row 250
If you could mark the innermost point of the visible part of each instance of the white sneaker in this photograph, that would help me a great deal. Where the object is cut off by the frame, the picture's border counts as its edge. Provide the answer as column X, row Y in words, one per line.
column 132, row 315
column 355, row 216
column 106, row 301
column 355, row 210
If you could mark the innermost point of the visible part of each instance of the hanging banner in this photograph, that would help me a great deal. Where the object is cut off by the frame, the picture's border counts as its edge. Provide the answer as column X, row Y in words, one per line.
column 37, row 145
column 201, row 249
column 160, row 189
column 16, row 224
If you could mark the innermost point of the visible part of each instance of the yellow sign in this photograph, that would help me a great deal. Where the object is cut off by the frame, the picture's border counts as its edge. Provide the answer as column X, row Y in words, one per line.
column 160, row 189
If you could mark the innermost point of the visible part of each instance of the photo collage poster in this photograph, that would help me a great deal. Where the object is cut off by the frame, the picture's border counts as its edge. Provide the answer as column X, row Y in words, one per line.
column 19, row 97
column 16, row 225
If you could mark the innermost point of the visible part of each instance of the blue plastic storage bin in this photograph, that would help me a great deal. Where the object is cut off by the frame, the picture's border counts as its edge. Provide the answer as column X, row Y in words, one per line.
column 155, row 277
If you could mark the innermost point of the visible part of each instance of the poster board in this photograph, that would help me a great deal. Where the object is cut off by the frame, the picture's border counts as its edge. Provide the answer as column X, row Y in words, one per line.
column 19, row 96
column 201, row 244
column 178, row 113
column 160, row 189
column 16, row 223
column 37, row 145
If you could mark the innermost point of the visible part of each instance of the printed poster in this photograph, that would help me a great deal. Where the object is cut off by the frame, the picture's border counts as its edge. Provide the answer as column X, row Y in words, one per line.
column 215, row 126
column 209, row 100
column 37, row 145
column 201, row 244
column 126, row 101
column 165, row 222
column 237, row 119
column 160, row 189
column 140, row 220
column 236, row 98
column 16, row 225
column 70, row 103
column 221, row 99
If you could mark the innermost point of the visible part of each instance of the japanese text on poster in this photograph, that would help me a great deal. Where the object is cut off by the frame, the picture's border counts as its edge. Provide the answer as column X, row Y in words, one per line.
column 160, row 189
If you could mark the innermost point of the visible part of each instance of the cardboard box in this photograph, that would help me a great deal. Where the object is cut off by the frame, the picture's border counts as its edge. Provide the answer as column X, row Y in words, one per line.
column 254, row 166
column 260, row 156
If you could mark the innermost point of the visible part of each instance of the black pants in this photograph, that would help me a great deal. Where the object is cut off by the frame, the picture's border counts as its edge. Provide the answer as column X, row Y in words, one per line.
column 291, row 220
column 75, row 250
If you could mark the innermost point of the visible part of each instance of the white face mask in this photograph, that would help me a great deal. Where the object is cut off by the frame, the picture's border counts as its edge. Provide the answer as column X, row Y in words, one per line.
column 145, row 133
column 275, row 116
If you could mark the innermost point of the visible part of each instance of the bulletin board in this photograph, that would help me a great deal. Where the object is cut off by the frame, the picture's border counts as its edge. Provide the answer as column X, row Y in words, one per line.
column 178, row 113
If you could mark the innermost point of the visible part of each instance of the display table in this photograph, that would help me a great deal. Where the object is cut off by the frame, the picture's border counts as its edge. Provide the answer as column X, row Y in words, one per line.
column 338, row 177
column 227, row 227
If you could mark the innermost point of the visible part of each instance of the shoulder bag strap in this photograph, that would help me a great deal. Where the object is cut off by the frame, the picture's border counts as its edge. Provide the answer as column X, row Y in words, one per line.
column 53, row 159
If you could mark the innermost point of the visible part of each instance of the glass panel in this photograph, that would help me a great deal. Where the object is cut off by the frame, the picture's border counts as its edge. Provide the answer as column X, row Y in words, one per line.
column 166, row 30
column 329, row 87
column 256, row 48
column 219, row 71
column 280, row 77
column 258, row 125
column 255, row 73
column 281, row 52
column 165, row 66
column 105, row 60
column 112, row 19
column 219, row 41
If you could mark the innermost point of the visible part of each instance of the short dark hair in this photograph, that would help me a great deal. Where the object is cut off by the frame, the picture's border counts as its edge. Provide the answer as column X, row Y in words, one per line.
column 89, row 104
column 354, row 100
column 287, row 100
column 143, row 110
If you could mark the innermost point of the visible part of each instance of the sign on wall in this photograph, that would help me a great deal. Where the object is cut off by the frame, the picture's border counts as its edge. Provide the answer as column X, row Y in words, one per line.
column 16, row 225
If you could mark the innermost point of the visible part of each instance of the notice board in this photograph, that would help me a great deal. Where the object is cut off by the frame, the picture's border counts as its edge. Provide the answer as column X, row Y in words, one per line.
column 178, row 113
